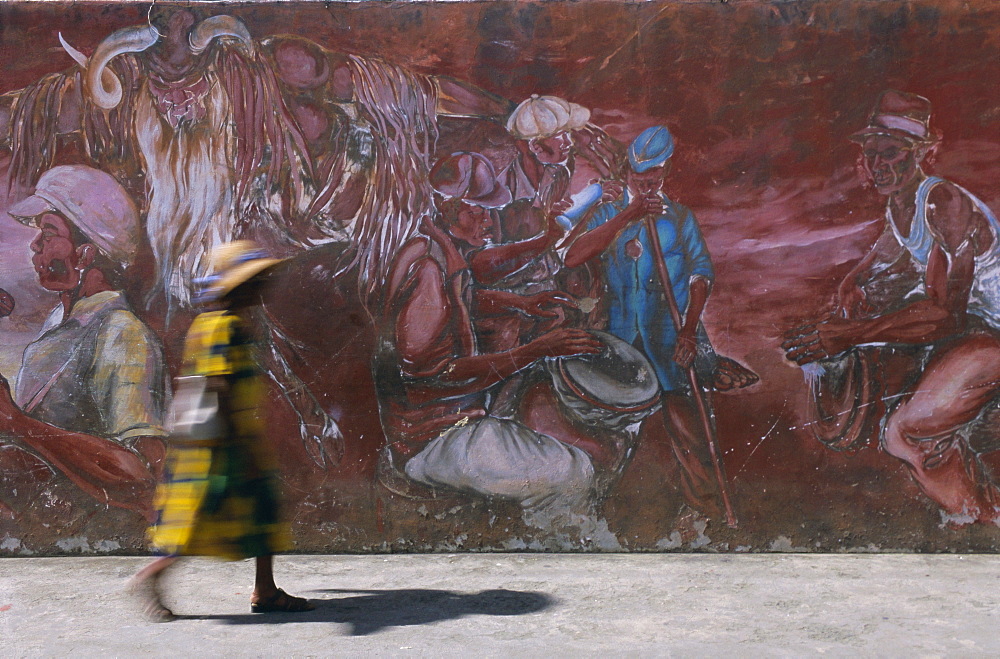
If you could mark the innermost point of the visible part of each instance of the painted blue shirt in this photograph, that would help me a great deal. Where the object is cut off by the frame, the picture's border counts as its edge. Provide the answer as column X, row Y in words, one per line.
column 638, row 308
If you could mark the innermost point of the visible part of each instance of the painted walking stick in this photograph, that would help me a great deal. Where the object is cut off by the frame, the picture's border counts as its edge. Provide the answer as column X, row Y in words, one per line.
column 696, row 392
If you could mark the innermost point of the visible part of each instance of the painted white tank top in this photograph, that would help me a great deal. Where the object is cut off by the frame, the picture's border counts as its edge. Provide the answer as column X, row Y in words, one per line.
column 984, row 298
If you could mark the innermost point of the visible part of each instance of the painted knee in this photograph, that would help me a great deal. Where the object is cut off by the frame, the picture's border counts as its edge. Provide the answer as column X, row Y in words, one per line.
column 913, row 443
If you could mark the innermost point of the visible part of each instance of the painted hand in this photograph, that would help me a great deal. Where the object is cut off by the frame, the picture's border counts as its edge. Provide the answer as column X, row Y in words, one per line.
column 818, row 341
column 730, row 375
column 554, row 231
column 547, row 303
column 686, row 349
column 565, row 342
column 612, row 190
column 560, row 207
column 643, row 205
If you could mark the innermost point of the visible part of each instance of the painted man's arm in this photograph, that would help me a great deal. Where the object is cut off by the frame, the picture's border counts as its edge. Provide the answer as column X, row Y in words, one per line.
column 475, row 373
column 591, row 244
column 700, row 268
column 948, row 278
column 939, row 314
column 495, row 262
column 444, row 367
column 687, row 342
column 103, row 468
column 500, row 303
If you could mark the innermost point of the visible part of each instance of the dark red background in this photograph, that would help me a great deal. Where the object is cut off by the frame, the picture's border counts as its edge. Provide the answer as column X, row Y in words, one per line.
column 761, row 98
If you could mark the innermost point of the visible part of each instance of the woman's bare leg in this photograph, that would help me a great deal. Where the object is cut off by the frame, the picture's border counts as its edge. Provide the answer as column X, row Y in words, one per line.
column 267, row 597
column 146, row 585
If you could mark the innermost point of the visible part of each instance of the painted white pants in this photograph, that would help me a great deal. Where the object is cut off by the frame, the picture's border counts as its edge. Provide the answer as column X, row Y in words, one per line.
column 503, row 458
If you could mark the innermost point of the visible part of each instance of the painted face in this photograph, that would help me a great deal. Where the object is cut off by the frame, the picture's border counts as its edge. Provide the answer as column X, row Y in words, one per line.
column 552, row 150
column 649, row 181
column 473, row 224
column 891, row 162
column 55, row 255
column 171, row 57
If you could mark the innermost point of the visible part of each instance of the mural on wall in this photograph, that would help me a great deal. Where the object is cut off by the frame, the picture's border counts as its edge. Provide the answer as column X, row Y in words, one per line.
column 564, row 275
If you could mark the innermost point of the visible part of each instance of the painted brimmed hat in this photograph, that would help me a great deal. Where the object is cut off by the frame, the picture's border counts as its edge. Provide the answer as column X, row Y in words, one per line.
column 233, row 264
column 93, row 201
column 902, row 115
column 470, row 177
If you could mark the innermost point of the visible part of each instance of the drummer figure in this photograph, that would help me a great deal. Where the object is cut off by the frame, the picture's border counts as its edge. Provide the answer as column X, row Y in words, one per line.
column 637, row 314
column 434, row 381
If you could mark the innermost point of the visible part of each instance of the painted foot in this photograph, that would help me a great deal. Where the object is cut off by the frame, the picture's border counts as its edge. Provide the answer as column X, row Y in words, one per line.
column 731, row 375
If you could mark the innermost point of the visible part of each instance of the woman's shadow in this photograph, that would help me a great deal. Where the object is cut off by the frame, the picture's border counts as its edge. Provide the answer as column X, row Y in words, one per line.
column 369, row 611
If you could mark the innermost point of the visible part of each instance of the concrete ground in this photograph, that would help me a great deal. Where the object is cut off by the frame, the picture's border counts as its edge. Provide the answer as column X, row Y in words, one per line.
column 519, row 605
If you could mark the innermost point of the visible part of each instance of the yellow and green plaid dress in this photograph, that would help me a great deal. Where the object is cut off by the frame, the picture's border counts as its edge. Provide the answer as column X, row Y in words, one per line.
column 220, row 498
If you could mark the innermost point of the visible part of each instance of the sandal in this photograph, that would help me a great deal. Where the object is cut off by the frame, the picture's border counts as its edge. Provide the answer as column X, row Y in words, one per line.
column 281, row 602
column 152, row 607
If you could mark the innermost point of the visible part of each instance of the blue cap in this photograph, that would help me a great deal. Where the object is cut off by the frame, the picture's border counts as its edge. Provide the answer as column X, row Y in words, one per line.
column 651, row 149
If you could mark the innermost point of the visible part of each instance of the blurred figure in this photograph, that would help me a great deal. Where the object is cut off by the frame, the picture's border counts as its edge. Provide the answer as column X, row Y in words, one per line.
column 220, row 495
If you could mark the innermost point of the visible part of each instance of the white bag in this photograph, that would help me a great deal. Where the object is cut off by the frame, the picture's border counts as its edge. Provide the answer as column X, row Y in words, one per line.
column 194, row 412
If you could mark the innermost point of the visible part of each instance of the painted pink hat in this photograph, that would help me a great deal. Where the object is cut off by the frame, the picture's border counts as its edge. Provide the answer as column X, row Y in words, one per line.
column 93, row 201
column 899, row 114
column 470, row 177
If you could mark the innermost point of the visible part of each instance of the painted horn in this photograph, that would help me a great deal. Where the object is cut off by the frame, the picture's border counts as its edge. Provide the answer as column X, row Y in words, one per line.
column 103, row 87
column 217, row 26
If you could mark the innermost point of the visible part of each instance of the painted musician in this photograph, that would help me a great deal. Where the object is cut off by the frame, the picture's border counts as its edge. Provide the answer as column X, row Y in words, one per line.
column 433, row 380
column 637, row 313
column 951, row 238
column 89, row 398
column 516, row 276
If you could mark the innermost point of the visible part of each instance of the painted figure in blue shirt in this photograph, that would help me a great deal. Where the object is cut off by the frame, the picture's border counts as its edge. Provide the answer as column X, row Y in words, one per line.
column 638, row 312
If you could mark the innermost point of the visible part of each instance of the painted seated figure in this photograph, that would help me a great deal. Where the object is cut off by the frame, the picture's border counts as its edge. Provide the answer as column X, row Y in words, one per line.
column 435, row 384
column 945, row 242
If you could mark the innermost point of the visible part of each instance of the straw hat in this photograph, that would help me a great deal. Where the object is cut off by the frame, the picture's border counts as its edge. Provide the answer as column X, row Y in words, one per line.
column 233, row 264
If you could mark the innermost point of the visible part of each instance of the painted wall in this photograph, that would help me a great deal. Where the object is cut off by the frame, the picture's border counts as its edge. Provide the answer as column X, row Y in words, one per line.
column 435, row 322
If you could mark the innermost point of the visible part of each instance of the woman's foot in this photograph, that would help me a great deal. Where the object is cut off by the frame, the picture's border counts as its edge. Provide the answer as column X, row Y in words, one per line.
column 280, row 602
column 147, row 592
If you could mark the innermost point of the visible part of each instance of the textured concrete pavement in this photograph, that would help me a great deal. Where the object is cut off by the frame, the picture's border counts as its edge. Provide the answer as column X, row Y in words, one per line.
column 521, row 605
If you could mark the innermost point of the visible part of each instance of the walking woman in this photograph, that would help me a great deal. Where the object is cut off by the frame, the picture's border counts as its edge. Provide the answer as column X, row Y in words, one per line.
column 219, row 497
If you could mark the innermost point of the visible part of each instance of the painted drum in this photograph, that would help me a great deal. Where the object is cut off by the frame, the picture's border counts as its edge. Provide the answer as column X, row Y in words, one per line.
column 615, row 389
column 845, row 399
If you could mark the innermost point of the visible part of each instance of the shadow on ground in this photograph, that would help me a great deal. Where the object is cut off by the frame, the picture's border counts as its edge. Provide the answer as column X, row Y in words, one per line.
column 370, row 611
